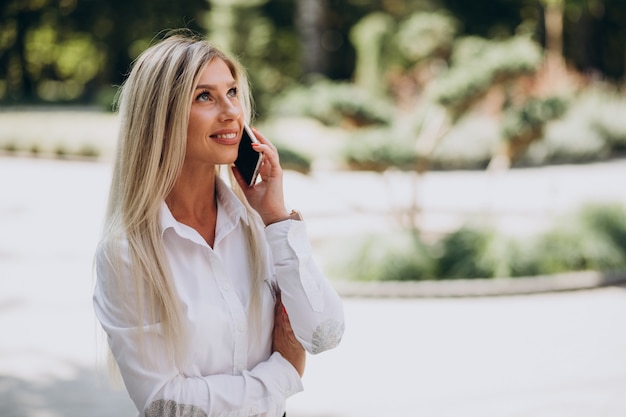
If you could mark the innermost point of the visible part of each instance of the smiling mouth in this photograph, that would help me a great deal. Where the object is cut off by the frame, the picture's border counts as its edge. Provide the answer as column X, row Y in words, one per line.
column 227, row 136
column 225, row 139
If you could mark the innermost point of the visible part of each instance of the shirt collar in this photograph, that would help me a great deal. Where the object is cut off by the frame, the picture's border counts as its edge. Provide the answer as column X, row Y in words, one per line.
column 230, row 211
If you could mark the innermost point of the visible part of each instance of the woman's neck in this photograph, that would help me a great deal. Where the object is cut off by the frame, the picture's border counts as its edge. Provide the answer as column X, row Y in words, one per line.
column 193, row 201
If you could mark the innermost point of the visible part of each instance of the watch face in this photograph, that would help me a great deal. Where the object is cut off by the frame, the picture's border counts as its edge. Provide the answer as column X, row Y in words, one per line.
column 295, row 215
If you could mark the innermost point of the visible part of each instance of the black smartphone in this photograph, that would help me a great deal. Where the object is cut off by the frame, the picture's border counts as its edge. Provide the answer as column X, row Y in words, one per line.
column 248, row 160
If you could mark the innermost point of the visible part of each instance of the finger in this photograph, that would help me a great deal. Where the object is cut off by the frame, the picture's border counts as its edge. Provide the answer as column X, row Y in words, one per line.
column 270, row 154
column 263, row 139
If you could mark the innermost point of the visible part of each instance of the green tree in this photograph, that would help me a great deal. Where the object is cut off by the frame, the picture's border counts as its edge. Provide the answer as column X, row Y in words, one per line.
column 67, row 50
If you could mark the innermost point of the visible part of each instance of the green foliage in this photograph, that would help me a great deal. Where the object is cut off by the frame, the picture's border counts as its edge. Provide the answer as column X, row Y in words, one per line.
column 371, row 38
column 593, row 238
column 378, row 149
column 9, row 146
column 479, row 64
column 398, row 256
column 606, row 110
column 531, row 116
column 294, row 160
column 567, row 141
column 62, row 66
column 426, row 35
column 470, row 252
column 335, row 104
column 60, row 51
column 468, row 145
column 583, row 134
column 607, row 221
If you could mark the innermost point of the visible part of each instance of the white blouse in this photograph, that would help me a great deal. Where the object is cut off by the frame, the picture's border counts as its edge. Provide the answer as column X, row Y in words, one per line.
column 231, row 370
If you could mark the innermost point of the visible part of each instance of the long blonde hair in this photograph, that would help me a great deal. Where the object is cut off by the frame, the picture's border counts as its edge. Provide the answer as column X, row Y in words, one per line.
column 154, row 107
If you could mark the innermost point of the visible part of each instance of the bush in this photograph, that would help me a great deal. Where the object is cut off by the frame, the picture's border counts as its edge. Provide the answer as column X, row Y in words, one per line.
column 531, row 116
column 607, row 110
column 478, row 64
column 400, row 256
column 568, row 140
column 293, row 160
column 335, row 104
column 426, row 35
column 377, row 149
column 593, row 238
column 592, row 129
column 469, row 144
column 474, row 252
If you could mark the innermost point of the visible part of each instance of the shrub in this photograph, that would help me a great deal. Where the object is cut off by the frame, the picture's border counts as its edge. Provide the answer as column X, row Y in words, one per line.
column 592, row 129
column 469, row 144
column 335, row 104
column 593, row 238
column 607, row 221
column 294, row 160
column 88, row 150
column 10, row 146
column 473, row 252
column 377, row 149
column 425, row 35
column 399, row 256
column 478, row 64
column 531, row 116
column 606, row 112
column 569, row 140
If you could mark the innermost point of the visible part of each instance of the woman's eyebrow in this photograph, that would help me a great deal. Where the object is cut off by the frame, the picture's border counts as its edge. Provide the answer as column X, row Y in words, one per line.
column 213, row 87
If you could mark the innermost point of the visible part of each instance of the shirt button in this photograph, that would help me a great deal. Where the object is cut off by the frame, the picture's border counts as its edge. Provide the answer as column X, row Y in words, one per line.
column 226, row 286
column 240, row 327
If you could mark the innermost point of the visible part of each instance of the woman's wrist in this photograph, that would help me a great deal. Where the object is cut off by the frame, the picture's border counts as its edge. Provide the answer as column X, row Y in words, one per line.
column 293, row 215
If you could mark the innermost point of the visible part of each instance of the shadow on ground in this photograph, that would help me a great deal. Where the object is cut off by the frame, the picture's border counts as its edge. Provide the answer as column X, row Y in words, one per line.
column 87, row 394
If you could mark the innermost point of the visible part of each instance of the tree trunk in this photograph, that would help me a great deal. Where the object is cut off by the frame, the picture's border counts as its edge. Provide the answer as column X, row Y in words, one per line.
column 554, row 38
column 310, row 26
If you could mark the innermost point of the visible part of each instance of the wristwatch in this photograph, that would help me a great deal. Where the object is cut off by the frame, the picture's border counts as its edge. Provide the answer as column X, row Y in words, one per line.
column 293, row 215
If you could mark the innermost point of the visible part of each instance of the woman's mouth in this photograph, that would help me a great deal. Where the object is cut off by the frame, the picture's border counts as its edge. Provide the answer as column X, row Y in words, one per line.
column 226, row 138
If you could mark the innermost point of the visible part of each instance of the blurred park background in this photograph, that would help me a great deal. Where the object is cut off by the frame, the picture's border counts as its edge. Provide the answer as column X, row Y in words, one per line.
column 386, row 87
column 428, row 143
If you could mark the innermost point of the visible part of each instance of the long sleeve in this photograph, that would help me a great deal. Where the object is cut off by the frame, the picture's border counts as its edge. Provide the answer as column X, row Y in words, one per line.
column 314, row 307
column 155, row 384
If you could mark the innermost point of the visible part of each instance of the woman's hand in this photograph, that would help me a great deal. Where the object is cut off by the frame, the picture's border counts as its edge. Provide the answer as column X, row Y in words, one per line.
column 266, row 196
column 284, row 340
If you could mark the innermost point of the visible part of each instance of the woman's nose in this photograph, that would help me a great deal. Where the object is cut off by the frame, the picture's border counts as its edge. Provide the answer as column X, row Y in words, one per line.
column 229, row 110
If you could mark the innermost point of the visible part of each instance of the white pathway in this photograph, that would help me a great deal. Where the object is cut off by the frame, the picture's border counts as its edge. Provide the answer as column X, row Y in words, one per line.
column 544, row 355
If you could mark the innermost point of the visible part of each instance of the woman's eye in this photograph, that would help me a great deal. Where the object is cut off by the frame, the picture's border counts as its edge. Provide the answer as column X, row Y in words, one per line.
column 204, row 96
column 232, row 92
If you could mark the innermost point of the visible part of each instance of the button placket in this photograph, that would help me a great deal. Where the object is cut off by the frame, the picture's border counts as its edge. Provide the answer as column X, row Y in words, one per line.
column 237, row 315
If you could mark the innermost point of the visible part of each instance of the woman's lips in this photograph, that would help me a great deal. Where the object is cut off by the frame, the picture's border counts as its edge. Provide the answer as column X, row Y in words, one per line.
column 231, row 138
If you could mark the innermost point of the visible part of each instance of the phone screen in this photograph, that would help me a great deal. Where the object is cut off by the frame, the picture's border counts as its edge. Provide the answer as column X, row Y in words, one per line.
column 248, row 160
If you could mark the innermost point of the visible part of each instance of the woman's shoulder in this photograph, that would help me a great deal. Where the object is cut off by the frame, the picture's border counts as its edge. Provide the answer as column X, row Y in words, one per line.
column 112, row 249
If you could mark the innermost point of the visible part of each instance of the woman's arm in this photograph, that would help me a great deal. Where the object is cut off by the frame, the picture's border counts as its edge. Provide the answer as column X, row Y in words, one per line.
column 314, row 307
column 159, row 388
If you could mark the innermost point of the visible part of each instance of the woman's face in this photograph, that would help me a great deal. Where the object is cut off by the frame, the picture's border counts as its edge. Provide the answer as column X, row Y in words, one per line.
column 216, row 118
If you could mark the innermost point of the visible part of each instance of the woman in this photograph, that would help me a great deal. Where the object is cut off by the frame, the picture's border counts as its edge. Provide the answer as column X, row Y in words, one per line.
column 207, row 291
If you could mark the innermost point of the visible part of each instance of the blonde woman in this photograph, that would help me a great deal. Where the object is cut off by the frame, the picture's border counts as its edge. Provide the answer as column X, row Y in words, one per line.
column 206, row 287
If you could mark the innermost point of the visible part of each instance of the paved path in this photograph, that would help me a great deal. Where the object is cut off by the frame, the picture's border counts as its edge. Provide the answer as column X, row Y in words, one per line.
column 559, row 354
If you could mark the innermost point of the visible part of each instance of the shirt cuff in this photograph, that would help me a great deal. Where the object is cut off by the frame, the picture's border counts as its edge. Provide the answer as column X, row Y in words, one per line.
column 288, row 386
column 287, row 238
